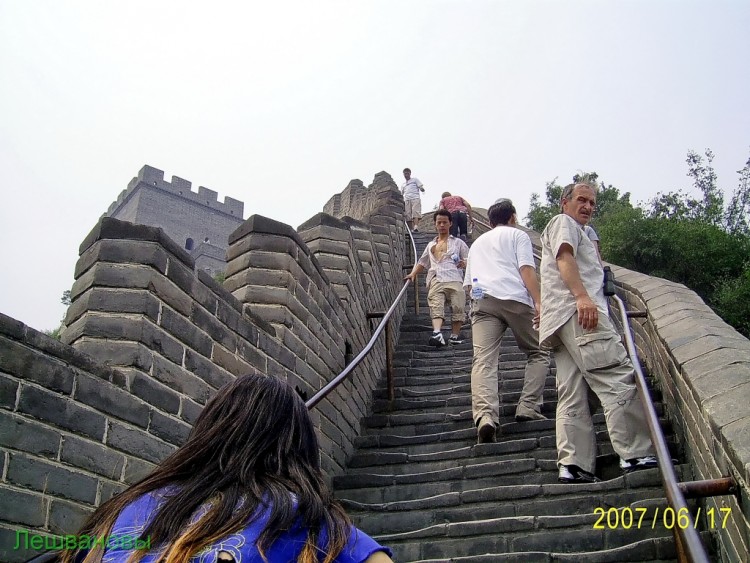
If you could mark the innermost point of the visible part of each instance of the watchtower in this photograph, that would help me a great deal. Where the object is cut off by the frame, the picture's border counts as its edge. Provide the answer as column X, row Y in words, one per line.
column 197, row 221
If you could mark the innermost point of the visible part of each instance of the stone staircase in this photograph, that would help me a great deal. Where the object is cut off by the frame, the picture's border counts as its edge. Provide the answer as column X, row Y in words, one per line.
column 420, row 484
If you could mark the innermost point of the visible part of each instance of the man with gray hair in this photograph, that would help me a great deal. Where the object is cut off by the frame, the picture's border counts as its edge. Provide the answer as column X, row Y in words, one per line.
column 501, row 272
column 588, row 351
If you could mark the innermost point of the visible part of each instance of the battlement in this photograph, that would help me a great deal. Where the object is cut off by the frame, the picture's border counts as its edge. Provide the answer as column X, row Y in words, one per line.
column 154, row 178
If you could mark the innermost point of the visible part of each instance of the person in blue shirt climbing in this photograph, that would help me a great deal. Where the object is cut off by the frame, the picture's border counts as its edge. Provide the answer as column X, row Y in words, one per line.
column 245, row 487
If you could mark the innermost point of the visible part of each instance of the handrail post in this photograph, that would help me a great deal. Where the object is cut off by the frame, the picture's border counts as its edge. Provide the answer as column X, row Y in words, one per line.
column 389, row 362
column 416, row 295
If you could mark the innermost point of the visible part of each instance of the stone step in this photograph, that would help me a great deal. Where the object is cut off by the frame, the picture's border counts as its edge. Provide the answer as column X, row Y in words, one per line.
column 651, row 550
column 469, row 471
column 546, row 499
column 508, row 394
column 530, row 534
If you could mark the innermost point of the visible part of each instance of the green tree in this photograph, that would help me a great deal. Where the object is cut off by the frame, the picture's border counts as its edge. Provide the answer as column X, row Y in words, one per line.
column 608, row 200
column 737, row 217
column 687, row 239
column 731, row 300
column 708, row 207
column 541, row 213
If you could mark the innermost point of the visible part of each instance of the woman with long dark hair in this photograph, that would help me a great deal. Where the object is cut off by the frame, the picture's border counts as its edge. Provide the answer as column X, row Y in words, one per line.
column 246, row 486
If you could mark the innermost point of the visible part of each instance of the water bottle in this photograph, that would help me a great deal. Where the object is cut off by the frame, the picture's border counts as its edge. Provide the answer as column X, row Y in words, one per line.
column 476, row 290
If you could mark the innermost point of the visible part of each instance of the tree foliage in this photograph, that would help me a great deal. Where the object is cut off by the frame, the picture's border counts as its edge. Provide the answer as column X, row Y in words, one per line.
column 687, row 237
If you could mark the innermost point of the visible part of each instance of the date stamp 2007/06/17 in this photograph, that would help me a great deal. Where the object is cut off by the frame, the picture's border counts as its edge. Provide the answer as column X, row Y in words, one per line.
column 636, row 518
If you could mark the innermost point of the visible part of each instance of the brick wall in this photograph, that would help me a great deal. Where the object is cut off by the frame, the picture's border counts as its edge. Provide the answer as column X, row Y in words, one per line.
column 71, row 435
column 703, row 368
column 149, row 339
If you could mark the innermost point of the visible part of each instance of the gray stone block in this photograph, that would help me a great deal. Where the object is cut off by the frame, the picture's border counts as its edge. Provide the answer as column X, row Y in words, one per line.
column 61, row 412
column 51, row 479
column 136, row 469
column 108, row 490
column 116, row 353
column 259, row 224
column 253, row 356
column 91, row 456
column 169, row 429
column 114, row 301
column 111, row 400
column 159, row 341
column 23, row 434
column 109, row 228
column 66, row 517
column 123, row 251
column 11, row 327
column 155, row 393
column 185, row 331
column 180, row 380
column 18, row 360
column 172, row 295
column 230, row 362
column 23, row 507
column 122, row 276
column 189, row 410
column 8, row 391
column 137, row 442
column 205, row 369
column 216, row 330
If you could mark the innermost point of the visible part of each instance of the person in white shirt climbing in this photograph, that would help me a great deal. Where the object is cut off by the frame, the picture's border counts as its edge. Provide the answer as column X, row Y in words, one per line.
column 412, row 200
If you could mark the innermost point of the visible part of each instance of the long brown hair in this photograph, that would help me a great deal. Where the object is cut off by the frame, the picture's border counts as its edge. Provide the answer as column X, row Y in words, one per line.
column 253, row 445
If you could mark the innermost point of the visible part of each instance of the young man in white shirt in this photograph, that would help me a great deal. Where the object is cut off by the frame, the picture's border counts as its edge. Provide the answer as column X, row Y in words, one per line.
column 442, row 259
column 502, row 263
column 412, row 200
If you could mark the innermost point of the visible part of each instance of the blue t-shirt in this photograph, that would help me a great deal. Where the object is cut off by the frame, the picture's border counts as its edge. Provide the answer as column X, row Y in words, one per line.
column 134, row 518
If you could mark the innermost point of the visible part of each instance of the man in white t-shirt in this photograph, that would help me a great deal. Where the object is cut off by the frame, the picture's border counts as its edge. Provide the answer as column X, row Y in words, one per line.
column 412, row 200
column 502, row 263
column 588, row 352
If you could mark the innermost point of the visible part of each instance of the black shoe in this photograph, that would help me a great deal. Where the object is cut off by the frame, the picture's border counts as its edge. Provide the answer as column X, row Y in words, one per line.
column 647, row 462
column 485, row 431
column 454, row 339
column 574, row 474
column 436, row 340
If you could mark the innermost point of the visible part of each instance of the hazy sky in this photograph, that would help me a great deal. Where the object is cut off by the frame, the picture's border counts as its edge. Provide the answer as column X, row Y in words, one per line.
column 280, row 104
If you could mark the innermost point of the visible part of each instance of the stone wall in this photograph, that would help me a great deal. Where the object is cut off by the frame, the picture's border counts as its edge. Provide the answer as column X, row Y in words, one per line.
column 72, row 434
column 149, row 339
column 703, row 368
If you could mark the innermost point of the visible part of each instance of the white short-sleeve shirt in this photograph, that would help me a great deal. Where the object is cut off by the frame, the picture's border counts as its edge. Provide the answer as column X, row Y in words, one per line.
column 410, row 188
column 558, row 303
column 495, row 260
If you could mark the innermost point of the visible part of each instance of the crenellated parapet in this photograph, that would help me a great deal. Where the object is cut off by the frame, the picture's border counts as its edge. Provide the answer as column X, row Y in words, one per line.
column 153, row 178
column 149, row 338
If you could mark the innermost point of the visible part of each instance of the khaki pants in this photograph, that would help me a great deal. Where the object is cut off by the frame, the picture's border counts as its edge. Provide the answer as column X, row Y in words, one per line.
column 453, row 293
column 413, row 209
column 596, row 360
column 490, row 318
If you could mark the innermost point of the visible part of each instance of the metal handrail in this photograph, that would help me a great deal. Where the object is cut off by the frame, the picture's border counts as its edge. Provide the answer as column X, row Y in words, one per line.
column 331, row 385
column 688, row 539
column 688, row 536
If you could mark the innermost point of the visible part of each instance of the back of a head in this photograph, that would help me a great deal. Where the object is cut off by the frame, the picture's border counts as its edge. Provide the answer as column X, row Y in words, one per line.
column 253, row 443
column 255, row 425
column 446, row 194
column 501, row 212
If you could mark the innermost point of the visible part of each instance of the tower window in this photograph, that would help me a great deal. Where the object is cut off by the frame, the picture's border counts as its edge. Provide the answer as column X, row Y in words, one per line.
column 188, row 244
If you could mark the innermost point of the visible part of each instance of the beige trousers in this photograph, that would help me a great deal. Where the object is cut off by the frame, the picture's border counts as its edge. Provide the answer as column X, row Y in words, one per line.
column 490, row 318
column 596, row 360
column 452, row 293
